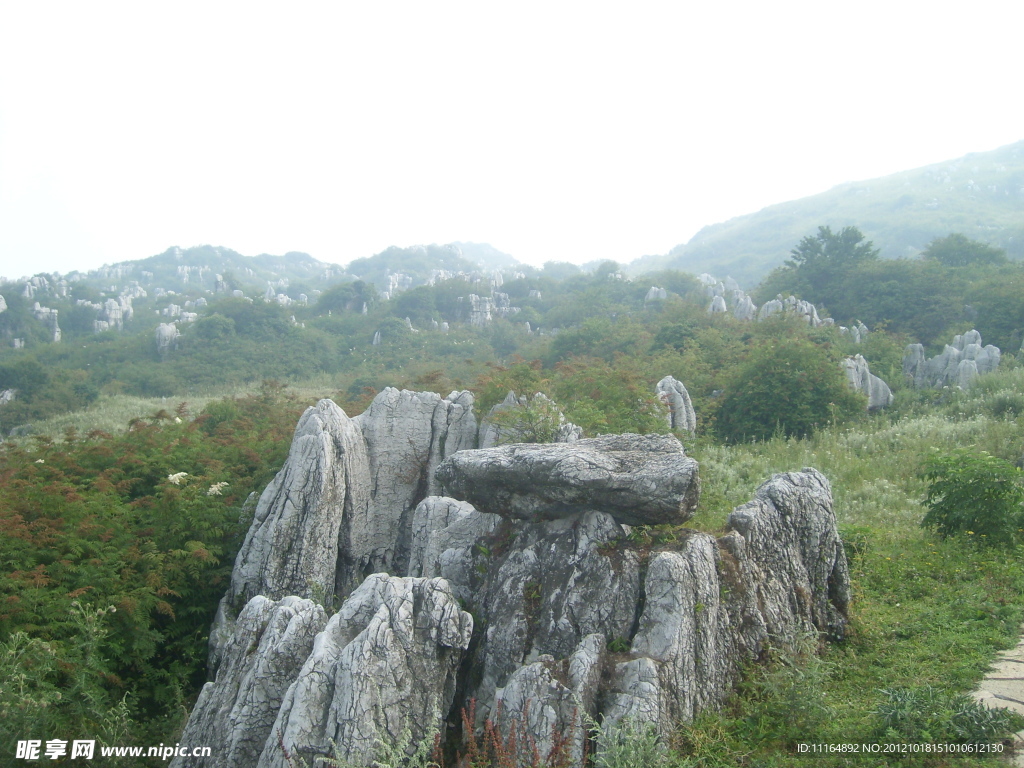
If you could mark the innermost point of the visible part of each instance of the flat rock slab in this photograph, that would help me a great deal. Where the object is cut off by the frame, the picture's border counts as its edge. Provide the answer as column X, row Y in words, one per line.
column 1003, row 686
column 637, row 479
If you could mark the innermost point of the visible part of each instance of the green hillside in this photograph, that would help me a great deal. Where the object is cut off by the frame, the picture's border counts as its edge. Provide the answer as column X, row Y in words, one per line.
column 980, row 195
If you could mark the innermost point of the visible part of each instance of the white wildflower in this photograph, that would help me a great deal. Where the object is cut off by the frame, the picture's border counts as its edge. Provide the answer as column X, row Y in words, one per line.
column 40, row 461
column 216, row 488
column 177, row 420
column 177, row 478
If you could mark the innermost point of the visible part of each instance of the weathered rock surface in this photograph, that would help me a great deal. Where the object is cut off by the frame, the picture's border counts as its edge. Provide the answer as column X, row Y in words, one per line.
column 859, row 375
column 790, row 534
column 385, row 664
column 656, row 294
column 407, row 435
column 293, row 542
column 166, row 337
column 548, row 703
column 743, row 306
column 444, row 534
column 560, row 581
column 267, row 646
column 791, row 306
column 342, row 505
column 711, row 606
column 560, row 589
column 680, row 408
column 638, row 479
column 959, row 363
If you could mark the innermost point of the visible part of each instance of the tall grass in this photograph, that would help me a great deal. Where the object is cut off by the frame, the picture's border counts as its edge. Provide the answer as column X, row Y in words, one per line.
column 928, row 613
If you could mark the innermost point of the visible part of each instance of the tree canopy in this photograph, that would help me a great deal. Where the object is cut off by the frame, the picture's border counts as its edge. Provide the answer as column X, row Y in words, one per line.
column 957, row 250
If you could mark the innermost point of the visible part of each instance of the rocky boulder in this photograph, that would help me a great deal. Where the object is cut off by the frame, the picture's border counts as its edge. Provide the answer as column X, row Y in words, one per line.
column 860, row 378
column 166, row 337
column 579, row 615
column 712, row 606
column 638, row 479
column 260, row 658
column 558, row 582
column 293, row 542
column 680, row 408
column 384, row 668
column 342, row 505
column 445, row 535
column 959, row 363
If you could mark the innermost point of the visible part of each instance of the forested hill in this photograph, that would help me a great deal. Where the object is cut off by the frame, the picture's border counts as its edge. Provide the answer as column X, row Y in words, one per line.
column 980, row 195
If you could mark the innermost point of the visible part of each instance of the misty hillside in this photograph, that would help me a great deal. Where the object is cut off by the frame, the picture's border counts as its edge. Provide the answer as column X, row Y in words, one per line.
column 980, row 195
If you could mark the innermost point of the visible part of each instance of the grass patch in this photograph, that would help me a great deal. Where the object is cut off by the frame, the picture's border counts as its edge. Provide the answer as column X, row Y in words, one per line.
column 928, row 614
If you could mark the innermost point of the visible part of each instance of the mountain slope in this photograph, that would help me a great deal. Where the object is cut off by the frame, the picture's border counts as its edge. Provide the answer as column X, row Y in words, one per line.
column 980, row 195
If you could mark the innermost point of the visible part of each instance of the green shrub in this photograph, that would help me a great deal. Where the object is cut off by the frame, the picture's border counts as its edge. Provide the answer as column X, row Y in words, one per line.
column 974, row 493
column 788, row 385
column 927, row 714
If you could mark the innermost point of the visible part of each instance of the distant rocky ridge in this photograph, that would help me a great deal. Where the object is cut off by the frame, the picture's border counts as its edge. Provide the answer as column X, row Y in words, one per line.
column 179, row 282
column 521, row 601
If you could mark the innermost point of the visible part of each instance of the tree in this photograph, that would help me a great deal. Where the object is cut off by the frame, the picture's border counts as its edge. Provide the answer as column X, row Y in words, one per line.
column 788, row 385
column 957, row 250
column 820, row 262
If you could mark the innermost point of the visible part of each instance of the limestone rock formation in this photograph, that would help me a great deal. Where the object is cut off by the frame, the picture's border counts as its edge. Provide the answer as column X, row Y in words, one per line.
column 790, row 534
column 638, row 479
column 680, row 408
column 264, row 652
column 166, row 337
column 792, row 306
column 557, row 582
column 656, row 294
column 859, row 375
column 717, row 306
column 959, row 364
column 710, row 606
column 444, row 534
column 341, row 507
column 293, row 542
column 548, row 699
column 743, row 306
column 385, row 664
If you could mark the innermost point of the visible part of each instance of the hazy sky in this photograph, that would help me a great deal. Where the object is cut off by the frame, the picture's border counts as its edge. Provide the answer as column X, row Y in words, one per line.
column 550, row 130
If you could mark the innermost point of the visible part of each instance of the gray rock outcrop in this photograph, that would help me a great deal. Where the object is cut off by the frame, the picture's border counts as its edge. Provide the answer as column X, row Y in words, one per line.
column 263, row 653
column 342, row 505
column 547, row 704
column 560, row 585
column 790, row 306
column 680, row 408
column 743, row 306
column 166, row 337
column 656, row 294
column 559, row 581
column 638, row 479
column 959, row 363
column 860, row 378
column 444, row 534
column 385, row 666
column 297, row 530
column 710, row 606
